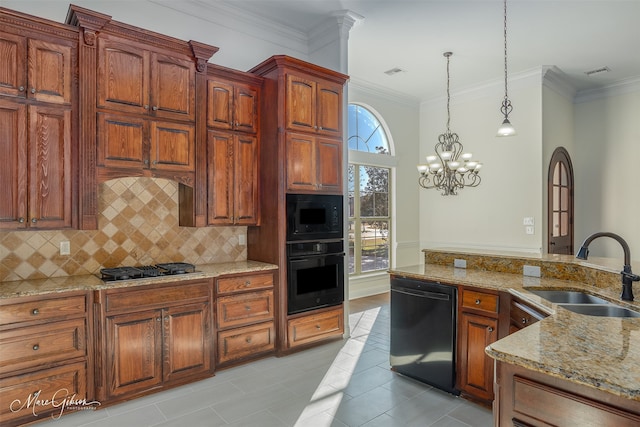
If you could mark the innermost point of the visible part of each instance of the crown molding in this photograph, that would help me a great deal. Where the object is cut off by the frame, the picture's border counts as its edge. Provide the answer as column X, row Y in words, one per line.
column 618, row 88
column 383, row 92
column 556, row 79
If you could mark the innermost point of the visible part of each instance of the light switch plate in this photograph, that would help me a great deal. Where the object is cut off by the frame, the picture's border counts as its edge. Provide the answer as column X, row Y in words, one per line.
column 528, row 220
column 65, row 248
column 242, row 239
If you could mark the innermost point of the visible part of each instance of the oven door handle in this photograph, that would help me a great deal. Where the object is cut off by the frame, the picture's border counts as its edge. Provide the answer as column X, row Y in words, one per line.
column 314, row 256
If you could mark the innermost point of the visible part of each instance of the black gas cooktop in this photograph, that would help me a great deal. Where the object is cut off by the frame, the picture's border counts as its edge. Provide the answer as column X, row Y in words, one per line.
column 143, row 271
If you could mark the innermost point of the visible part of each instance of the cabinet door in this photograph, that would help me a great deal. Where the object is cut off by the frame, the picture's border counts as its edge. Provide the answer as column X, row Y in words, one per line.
column 13, row 65
column 219, row 105
column 188, row 341
column 49, row 71
column 172, row 146
column 173, row 85
column 246, row 108
column 301, row 103
column 134, row 352
column 49, row 167
column 329, row 109
column 219, row 178
column 329, row 165
column 13, row 174
column 476, row 368
column 121, row 141
column 123, row 76
column 301, row 162
column 245, row 180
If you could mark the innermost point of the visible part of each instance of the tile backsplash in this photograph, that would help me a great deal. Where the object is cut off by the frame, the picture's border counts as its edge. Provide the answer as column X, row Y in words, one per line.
column 137, row 225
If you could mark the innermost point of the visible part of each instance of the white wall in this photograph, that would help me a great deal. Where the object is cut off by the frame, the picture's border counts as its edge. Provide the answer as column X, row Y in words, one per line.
column 607, row 198
column 488, row 216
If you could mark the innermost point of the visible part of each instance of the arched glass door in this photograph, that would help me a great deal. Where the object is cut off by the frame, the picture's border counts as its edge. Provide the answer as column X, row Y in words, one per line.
column 560, row 206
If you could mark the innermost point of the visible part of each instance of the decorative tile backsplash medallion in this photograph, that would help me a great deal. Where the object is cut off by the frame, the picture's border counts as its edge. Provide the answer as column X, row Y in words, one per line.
column 137, row 225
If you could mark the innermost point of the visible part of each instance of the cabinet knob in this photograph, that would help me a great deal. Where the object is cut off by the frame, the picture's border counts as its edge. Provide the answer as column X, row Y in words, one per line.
column 34, row 220
column 21, row 88
column 318, row 327
column 157, row 319
column 248, row 340
column 477, row 302
column 166, row 318
column 146, row 162
column 33, row 90
column 247, row 283
column 36, row 347
column 524, row 320
column 154, row 108
column 247, row 307
column 21, row 220
column 490, row 329
column 35, row 312
column 146, row 107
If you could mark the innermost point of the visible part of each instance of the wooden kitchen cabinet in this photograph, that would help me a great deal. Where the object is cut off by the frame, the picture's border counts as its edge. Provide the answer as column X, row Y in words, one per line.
column 232, row 106
column 153, row 337
column 45, row 353
column 313, row 105
column 232, row 178
column 245, row 317
column 36, row 143
column 313, row 164
column 134, row 144
column 36, row 68
column 477, row 328
column 315, row 326
column 135, row 78
column 522, row 315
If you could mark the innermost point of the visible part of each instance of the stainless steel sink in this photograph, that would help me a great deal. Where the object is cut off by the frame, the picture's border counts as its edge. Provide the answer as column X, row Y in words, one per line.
column 606, row 310
column 568, row 297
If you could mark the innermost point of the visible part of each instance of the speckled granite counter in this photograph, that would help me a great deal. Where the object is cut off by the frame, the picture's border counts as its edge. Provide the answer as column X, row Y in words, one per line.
column 600, row 352
column 20, row 288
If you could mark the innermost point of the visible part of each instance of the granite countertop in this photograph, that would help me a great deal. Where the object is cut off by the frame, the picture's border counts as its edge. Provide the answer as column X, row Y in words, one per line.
column 599, row 352
column 21, row 288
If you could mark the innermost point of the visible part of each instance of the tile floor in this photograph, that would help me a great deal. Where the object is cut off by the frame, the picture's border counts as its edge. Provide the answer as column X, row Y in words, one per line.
column 344, row 383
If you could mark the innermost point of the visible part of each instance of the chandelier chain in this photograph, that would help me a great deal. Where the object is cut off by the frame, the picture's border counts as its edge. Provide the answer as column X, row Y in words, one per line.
column 448, row 55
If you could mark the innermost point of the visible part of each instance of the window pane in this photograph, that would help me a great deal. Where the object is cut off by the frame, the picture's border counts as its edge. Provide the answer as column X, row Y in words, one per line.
column 365, row 133
column 555, row 230
column 556, row 198
column 375, row 245
column 564, row 202
column 564, row 223
column 374, row 191
column 352, row 240
column 352, row 186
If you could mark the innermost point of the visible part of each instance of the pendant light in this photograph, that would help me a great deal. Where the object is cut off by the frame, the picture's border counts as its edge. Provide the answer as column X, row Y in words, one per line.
column 506, row 128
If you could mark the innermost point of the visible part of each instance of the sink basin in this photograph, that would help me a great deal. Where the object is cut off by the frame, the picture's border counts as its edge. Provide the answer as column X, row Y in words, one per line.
column 607, row 310
column 568, row 297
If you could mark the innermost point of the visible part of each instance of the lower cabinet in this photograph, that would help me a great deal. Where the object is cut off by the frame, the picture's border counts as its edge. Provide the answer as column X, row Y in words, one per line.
column 528, row 398
column 244, row 317
column 153, row 337
column 316, row 326
column 478, row 327
column 45, row 357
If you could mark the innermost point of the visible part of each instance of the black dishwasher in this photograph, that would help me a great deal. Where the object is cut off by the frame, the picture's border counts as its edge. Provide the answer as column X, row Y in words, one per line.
column 423, row 332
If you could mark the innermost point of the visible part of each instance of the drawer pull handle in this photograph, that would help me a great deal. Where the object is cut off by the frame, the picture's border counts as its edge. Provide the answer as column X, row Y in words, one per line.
column 478, row 301
column 35, row 312
column 247, row 283
column 318, row 327
column 247, row 307
column 524, row 320
column 248, row 340
column 490, row 329
column 36, row 347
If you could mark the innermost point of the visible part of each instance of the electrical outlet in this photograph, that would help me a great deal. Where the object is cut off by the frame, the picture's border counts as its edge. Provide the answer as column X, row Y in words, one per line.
column 460, row 263
column 65, row 248
column 529, row 229
column 528, row 220
column 242, row 239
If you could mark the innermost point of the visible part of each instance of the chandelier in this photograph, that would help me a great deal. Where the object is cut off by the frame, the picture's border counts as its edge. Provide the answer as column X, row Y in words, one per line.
column 506, row 128
column 449, row 169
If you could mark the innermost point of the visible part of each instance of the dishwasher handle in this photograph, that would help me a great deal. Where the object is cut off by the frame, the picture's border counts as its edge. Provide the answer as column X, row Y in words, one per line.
column 423, row 294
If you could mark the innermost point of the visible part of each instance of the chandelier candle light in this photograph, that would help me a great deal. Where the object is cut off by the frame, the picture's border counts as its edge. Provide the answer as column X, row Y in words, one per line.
column 506, row 128
column 449, row 169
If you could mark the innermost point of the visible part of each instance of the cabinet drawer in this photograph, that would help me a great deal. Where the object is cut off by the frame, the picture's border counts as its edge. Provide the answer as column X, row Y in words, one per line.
column 236, row 310
column 42, row 309
column 69, row 381
column 39, row 345
column 315, row 327
column 156, row 296
column 244, row 342
column 477, row 300
column 522, row 315
column 244, row 283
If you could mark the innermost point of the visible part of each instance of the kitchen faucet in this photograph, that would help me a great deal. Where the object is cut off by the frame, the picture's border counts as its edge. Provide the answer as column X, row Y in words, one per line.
column 627, row 276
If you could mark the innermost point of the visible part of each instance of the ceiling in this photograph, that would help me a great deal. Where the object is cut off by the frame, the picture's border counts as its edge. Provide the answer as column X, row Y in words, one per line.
column 573, row 35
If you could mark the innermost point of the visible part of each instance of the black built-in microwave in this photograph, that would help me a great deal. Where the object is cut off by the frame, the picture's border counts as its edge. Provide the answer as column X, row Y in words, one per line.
column 314, row 217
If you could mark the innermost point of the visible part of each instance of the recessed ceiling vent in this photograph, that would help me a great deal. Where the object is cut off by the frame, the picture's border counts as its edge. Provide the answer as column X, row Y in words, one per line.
column 394, row 71
column 597, row 71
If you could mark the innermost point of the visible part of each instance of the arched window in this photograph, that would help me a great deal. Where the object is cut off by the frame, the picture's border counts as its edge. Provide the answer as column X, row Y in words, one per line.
column 370, row 173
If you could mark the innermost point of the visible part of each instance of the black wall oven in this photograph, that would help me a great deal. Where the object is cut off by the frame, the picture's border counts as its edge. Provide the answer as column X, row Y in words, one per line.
column 315, row 275
column 315, row 251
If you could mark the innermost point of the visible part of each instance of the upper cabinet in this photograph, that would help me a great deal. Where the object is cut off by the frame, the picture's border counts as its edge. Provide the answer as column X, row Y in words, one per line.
column 37, row 134
column 313, row 105
column 232, row 106
column 133, row 78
